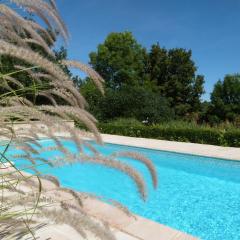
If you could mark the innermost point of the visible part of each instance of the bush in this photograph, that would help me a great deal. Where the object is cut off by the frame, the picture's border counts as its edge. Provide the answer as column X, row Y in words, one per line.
column 232, row 138
column 126, row 122
column 127, row 102
column 204, row 135
column 135, row 102
column 93, row 97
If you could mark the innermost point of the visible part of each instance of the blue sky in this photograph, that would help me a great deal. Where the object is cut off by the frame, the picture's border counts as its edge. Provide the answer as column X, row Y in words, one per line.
column 211, row 28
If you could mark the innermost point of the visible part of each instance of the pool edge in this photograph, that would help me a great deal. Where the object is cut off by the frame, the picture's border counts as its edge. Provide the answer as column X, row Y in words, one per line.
column 135, row 226
column 224, row 153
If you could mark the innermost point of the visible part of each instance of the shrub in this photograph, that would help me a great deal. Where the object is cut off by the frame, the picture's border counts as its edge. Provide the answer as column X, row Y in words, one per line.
column 232, row 138
column 204, row 135
column 127, row 102
column 127, row 122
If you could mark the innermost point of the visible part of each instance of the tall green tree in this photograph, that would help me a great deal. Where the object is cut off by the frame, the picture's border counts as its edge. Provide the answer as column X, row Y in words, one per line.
column 174, row 73
column 196, row 94
column 120, row 60
column 158, row 66
column 225, row 99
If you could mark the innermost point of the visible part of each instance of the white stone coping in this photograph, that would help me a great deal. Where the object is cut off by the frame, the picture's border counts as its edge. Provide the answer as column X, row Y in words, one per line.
column 227, row 153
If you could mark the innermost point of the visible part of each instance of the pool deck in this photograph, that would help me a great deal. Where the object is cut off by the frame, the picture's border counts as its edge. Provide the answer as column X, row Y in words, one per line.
column 228, row 153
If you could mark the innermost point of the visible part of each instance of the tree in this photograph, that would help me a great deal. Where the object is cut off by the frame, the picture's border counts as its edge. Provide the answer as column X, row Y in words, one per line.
column 93, row 97
column 225, row 99
column 158, row 66
column 170, row 73
column 174, row 72
column 8, row 64
column 120, row 60
column 197, row 91
column 60, row 55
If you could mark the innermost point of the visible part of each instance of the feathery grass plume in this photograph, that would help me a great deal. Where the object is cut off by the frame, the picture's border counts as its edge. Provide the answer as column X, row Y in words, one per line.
column 80, row 222
column 44, row 10
column 97, row 79
column 8, row 33
column 141, row 158
column 87, row 119
column 32, row 57
column 17, row 19
column 51, row 37
column 53, row 4
column 118, row 205
column 123, row 167
column 52, row 179
column 48, row 96
column 27, row 199
column 14, row 81
column 62, row 94
column 74, row 194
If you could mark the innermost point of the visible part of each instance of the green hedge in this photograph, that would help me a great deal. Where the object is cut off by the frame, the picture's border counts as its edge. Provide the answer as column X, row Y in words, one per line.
column 212, row 136
column 232, row 138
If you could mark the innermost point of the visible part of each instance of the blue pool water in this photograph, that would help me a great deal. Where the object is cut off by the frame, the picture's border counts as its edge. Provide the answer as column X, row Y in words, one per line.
column 197, row 195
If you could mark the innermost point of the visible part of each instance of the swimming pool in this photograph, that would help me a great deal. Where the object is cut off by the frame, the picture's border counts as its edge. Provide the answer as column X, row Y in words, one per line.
column 196, row 195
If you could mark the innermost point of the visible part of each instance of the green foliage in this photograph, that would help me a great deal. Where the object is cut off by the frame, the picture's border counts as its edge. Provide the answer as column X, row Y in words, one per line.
column 225, row 99
column 126, row 122
column 197, row 91
column 62, row 54
column 120, row 60
column 127, row 102
column 232, row 138
column 158, row 66
column 25, row 74
column 9, row 64
column 93, row 97
column 174, row 74
column 175, row 131
column 153, row 85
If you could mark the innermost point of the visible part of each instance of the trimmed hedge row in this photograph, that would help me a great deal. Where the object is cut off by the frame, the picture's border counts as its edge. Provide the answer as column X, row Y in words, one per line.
column 211, row 136
column 232, row 138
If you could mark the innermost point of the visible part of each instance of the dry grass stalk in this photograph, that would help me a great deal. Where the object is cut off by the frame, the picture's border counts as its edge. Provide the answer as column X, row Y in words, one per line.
column 24, row 198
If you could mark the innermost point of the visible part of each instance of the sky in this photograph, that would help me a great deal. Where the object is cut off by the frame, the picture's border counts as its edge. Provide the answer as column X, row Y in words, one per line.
column 210, row 28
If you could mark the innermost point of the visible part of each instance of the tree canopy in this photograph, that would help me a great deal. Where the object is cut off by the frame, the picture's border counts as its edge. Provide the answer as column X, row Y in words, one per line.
column 225, row 99
column 171, row 74
column 174, row 73
column 119, row 60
